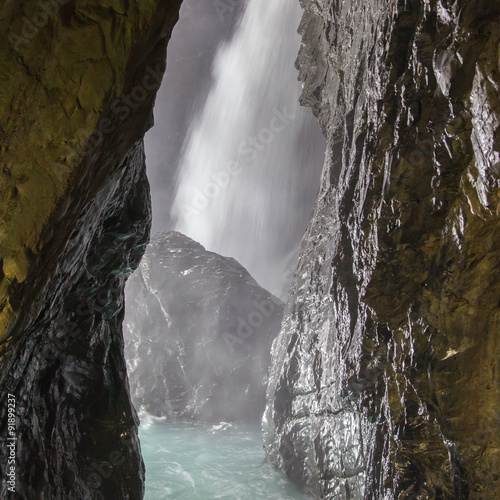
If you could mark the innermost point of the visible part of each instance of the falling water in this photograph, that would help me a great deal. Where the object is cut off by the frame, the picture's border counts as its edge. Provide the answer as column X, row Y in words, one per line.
column 251, row 160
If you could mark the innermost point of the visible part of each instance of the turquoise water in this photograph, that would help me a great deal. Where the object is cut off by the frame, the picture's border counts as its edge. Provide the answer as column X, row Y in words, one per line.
column 195, row 462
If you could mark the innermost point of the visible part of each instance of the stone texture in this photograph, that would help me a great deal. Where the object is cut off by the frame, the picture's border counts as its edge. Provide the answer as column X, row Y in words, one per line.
column 61, row 67
column 198, row 333
column 385, row 379
column 77, row 98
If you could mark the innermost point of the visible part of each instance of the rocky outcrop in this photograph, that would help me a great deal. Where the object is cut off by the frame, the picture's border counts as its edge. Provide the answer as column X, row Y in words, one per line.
column 78, row 85
column 198, row 333
column 385, row 376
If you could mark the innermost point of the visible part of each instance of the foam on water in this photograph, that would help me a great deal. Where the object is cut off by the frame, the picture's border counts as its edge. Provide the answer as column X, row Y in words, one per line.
column 197, row 462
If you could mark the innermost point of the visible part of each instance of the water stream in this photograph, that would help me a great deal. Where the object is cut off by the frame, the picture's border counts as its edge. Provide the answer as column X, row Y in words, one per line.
column 197, row 462
column 251, row 161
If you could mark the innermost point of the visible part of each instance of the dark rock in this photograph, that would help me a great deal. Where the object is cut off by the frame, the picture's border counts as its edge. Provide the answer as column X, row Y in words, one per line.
column 75, row 228
column 198, row 333
column 68, row 374
column 384, row 378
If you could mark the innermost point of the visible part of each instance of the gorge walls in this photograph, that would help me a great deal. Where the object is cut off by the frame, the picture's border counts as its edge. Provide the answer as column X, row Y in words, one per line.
column 385, row 377
column 79, row 80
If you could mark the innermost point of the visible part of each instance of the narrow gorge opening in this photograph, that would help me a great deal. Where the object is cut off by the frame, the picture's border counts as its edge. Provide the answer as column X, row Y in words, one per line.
column 206, row 302
column 383, row 378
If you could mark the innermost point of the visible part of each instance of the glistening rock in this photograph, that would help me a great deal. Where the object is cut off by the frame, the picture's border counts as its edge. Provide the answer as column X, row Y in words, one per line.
column 77, row 98
column 385, row 377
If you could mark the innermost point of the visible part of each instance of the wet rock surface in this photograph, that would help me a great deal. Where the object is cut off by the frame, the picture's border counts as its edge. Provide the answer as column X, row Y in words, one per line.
column 198, row 332
column 384, row 378
column 75, row 427
column 76, row 107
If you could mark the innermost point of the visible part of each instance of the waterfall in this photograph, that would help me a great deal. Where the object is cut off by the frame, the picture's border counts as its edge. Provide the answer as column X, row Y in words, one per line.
column 251, row 161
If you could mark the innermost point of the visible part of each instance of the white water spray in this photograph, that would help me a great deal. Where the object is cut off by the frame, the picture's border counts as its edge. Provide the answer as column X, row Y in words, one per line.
column 252, row 158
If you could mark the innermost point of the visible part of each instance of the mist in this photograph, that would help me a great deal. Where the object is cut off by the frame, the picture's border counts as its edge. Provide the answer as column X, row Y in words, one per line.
column 234, row 165
column 247, row 157
column 191, row 51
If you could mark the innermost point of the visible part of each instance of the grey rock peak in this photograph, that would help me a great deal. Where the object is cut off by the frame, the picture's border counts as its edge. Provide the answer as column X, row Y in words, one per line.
column 198, row 332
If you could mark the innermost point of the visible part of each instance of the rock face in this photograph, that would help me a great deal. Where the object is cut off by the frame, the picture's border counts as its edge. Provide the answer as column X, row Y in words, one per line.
column 385, row 377
column 198, row 333
column 78, row 85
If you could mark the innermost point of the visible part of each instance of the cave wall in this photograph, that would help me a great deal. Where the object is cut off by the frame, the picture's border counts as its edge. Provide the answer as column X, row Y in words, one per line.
column 79, row 79
column 385, row 376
